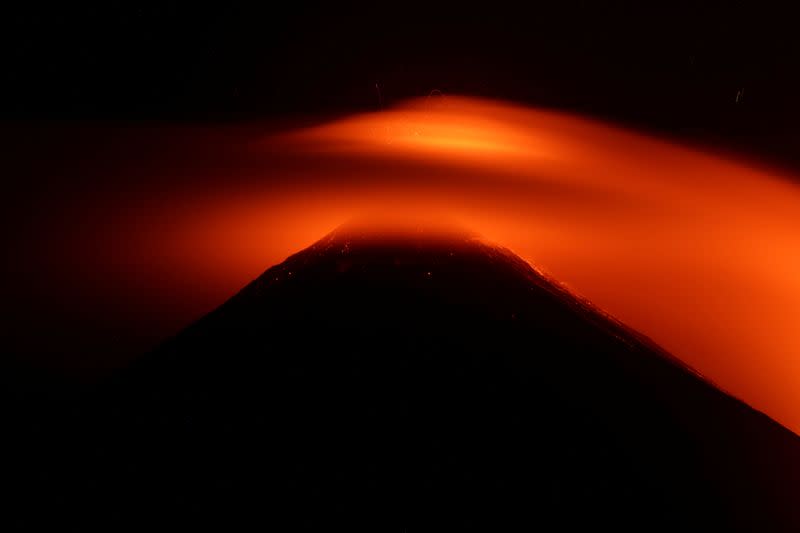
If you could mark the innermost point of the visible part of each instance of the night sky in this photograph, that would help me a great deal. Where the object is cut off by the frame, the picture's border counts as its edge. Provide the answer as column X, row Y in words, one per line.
column 670, row 65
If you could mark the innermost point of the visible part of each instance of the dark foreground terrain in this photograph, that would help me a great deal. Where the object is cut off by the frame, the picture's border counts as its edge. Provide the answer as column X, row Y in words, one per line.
column 425, row 383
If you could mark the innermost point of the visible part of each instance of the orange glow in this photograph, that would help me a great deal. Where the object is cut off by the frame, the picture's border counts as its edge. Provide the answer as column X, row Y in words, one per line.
column 698, row 251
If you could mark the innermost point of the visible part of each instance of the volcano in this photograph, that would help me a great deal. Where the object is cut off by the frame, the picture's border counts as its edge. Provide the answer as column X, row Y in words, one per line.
column 423, row 381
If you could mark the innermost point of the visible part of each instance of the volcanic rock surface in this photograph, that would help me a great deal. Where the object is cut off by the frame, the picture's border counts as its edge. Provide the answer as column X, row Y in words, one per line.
column 411, row 382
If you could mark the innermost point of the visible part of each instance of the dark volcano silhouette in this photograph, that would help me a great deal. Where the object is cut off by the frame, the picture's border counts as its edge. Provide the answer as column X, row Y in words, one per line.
column 414, row 383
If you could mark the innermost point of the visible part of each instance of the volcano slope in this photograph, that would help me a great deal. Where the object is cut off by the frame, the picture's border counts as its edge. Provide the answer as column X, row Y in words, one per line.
column 412, row 383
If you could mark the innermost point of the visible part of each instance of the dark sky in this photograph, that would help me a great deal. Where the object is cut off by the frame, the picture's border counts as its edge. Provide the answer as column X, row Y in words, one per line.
column 643, row 61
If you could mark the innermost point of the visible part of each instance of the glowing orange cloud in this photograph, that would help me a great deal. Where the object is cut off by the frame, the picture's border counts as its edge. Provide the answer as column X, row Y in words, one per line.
column 698, row 251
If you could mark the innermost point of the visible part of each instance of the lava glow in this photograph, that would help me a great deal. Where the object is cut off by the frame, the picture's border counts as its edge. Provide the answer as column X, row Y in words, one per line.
column 698, row 251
